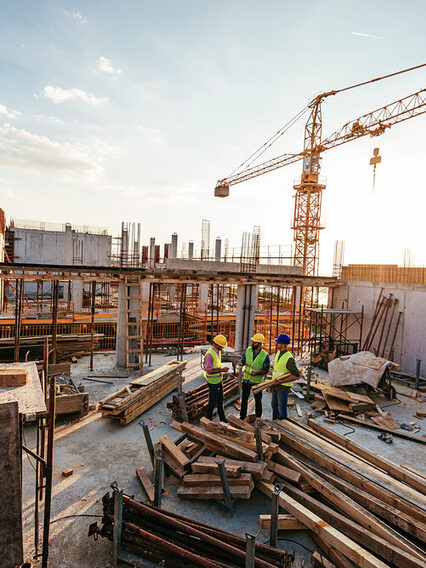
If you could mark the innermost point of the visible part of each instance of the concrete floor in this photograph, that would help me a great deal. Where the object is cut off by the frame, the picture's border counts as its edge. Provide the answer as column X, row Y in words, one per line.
column 101, row 451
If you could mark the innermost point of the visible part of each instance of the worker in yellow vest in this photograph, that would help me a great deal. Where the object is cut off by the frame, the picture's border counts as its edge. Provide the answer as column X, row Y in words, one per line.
column 284, row 363
column 213, row 374
column 257, row 364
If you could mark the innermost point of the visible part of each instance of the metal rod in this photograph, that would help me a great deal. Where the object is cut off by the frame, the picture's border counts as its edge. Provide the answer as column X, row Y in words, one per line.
column 92, row 322
column 388, row 305
column 148, row 441
column 18, row 317
column 225, row 485
column 182, row 404
column 250, row 550
column 49, row 472
column 273, row 535
column 389, row 328
column 55, row 299
column 158, row 481
column 258, row 436
column 391, row 355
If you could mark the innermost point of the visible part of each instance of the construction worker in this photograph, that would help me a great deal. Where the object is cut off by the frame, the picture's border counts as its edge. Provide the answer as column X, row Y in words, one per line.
column 257, row 364
column 213, row 375
column 284, row 363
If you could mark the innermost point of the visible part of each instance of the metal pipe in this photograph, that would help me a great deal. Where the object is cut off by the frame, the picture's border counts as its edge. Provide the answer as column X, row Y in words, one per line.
column 394, row 336
column 389, row 327
column 148, row 441
column 250, row 550
column 388, row 304
column 225, row 485
column 158, row 481
column 49, row 472
column 55, row 299
column 274, row 515
column 18, row 317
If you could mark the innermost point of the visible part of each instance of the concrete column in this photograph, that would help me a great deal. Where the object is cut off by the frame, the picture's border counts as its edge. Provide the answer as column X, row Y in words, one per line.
column 173, row 250
column 203, row 297
column 152, row 252
column 190, row 250
column 246, row 308
column 218, row 249
column 77, row 295
column 68, row 256
column 122, row 318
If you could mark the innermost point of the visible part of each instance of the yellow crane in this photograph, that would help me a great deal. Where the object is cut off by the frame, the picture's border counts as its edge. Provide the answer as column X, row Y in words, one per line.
column 307, row 207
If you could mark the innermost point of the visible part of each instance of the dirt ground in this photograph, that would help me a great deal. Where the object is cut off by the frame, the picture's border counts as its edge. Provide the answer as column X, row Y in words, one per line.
column 101, row 451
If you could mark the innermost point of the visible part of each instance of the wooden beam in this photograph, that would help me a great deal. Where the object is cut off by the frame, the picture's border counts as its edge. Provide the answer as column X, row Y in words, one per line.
column 338, row 540
column 336, row 557
column 174, row 452
column 285, row 472
column 246, row 467
column 226, row 430
column 206, row 479
column 213, row 492
column 285, row 523
column 231, row 470
column 411, row 437
column 146, row 483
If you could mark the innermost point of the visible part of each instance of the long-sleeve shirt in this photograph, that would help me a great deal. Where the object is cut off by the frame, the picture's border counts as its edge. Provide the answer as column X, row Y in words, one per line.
column 208, row 360
column 266, row 362
column 291, row 364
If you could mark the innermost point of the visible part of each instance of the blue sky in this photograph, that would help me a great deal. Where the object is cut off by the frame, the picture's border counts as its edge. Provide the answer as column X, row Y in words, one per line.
column 132, row 110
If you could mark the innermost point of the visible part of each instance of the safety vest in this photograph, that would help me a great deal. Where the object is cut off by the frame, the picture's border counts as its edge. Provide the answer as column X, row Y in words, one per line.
column 254, row 366
column 280, row 366
column 214, row 378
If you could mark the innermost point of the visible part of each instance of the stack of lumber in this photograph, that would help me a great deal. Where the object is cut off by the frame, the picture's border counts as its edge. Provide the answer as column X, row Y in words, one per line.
column 361, row 507
column 174, row 541
column 196, row 400
column 132, row 400
column 234, row 444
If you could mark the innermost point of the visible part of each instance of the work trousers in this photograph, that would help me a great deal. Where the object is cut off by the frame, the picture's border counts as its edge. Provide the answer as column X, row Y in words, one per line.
column 246, row 390
column 216, row 400
column 279, row 403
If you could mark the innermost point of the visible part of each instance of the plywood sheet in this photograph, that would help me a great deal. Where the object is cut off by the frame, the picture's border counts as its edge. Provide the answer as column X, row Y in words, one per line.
column 29, row 397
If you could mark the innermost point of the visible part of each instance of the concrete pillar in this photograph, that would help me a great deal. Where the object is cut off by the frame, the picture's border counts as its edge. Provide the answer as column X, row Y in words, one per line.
column 190, row 250
column 122, row 318
column 218, row 249
column 173, row 250
column 152, row 252
column 77, row 295
column 203, row 297
column 68, row 255
column 246, row 308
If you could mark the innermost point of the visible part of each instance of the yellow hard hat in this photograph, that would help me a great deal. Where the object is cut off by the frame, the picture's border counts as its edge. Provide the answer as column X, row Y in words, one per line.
column 258, row 338
column 220, row 340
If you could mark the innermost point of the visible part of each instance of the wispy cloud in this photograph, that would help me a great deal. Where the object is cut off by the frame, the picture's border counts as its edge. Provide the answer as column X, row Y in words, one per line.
column 59, row 95
column 105, row 65
column 76, row 16
column 64, row 160
column 369, row 36
column 9, row 113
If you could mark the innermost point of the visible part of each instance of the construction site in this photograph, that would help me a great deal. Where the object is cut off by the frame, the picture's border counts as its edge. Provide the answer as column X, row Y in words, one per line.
column 107, row 455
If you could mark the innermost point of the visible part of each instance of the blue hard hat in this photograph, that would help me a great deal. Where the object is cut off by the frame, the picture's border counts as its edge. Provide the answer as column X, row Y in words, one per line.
column 283, row 338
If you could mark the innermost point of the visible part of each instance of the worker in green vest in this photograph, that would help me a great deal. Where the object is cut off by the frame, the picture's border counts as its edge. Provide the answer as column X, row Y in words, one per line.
column 213, row 374
column 257, row 364
column 284, row 363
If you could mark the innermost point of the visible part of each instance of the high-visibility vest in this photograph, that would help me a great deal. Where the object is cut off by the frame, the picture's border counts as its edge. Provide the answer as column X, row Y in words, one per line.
column 254, row 366
column 280, row 366
column 214, row 378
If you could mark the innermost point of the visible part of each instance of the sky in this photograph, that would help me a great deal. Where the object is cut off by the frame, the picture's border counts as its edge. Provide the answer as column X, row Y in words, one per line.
column 131, row 111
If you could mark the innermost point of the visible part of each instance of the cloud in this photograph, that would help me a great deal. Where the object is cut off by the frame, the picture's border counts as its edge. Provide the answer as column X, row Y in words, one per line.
column 59, row 95
column 76, row 16
column 9, row 113
column 64, row 160
column 370, row 36
column 105, row 66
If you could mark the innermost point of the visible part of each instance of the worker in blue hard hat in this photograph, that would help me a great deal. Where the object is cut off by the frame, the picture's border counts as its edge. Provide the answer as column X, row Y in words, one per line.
column 283, row 363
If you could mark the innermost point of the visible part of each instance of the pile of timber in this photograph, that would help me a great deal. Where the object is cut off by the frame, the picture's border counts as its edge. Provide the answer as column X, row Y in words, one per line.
column 359, row 506
column 196, row 400
column 234, row 444
column 175, row 541
column 132, row 400
column 344, row 405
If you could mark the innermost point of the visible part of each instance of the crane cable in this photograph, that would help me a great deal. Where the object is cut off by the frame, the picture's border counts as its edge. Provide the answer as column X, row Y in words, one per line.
column 262, row 149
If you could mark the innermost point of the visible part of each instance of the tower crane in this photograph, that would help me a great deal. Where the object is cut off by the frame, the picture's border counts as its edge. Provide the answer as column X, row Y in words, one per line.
column 308, row 192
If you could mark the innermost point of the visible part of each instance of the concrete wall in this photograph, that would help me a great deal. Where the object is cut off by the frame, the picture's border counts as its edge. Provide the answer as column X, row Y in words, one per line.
column 410, row 341
column 231, row 266
column 56, row 247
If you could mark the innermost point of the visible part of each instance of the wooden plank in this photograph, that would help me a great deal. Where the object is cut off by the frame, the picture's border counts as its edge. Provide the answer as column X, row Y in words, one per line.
column 146, row 483
column 226, row 430
column 217, row 443
column 334, row 453
column 174, row 467
column 238, row 423
column 285, row 523
column 421, row 440
column 336, row 557
column 174, row 452
column 335, row 403
column 299, row 410
column 231, row 470
column 59, row 369
column 320, row 561
column 338, row 540
column 190, row 448
column 71, row 403
column 246, row 467
column 396, row 471
column 383, row 510
column 203, row 479
column 414, row 471
column 348, row 506
column 387, row 422
column 285, row 472
column 213, row 492
column 13, row 377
